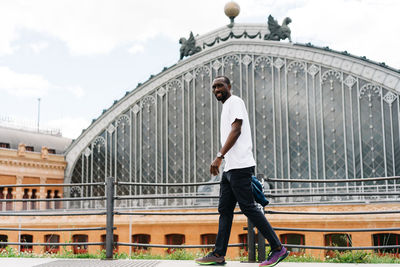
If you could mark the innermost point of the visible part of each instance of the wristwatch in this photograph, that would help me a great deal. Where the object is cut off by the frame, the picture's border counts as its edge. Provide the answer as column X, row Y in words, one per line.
column 219, row 155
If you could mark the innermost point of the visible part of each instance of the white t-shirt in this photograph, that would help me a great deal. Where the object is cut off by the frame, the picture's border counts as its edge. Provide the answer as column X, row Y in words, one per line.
column 241, row 154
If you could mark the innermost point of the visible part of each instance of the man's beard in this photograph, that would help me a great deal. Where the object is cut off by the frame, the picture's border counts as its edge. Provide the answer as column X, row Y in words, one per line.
column 221, row 96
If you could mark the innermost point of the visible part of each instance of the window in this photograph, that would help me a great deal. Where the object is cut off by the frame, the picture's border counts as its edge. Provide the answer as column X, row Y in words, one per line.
column 4, row 145
column 80, row 249
column 33, row 203
column 3, row 238
column 337, row 240
column 9, row 195
column 57, row 204
column 386, row 239
column 26, row 239
column 293, row 239
column 29, row 148
column 174, row 239
column 51, row 151
column 115, row 247
column 141, row 239
column 208, row 239
column 1, row 197
column 52, row 239
column 244, row 250
column 48, row 196
column 25, row 196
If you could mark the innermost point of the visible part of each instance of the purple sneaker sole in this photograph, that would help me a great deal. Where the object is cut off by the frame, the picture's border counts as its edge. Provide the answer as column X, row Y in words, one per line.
column 281, row 258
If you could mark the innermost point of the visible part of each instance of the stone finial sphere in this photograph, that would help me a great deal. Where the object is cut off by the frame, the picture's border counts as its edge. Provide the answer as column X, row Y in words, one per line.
column 232, row 9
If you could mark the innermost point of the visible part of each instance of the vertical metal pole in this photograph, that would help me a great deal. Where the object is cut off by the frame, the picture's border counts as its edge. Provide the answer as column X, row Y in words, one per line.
column 260, row 248
column 251, row 246
column 110, row 218
column 260, row 237
column 130, row 234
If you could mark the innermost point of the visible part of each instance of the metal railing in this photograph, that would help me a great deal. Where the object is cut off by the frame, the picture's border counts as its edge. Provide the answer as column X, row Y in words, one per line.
column 252, row 243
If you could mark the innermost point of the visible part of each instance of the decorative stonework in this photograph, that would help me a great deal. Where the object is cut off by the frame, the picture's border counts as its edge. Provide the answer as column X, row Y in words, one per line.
column 21, row 150
column 313, row 70
column 216, row 65
column 295, row 64
column 333, row 74
column 390, row 98
column 99, row 141
column 147, row 101
column 279, row 63
column 136, row 109
column 350, row 81
column 110, row 129
column 88, row 152
column 45, row 153
column 369, row 90
column 161, row 92
column 123, row 119
column 188, row 77
column 246, row 60
column 30, row 164
column 262, row 62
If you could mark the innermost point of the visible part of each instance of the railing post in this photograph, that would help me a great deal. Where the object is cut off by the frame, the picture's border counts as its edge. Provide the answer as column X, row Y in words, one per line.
column 260, row 237
column 251, row 245
column 110, row 218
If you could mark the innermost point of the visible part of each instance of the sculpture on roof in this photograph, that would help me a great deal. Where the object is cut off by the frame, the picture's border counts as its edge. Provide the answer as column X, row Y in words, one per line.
column 276, row 31
column 188, row 47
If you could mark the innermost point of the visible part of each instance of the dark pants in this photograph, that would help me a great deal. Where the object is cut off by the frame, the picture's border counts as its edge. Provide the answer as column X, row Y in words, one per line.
column 235, row 187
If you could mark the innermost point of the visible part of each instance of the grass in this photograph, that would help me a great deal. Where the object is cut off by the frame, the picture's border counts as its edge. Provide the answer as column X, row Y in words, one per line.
column 181, row 254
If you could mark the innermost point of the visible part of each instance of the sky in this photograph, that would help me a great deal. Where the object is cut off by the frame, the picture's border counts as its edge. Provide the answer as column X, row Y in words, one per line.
column 78, row 56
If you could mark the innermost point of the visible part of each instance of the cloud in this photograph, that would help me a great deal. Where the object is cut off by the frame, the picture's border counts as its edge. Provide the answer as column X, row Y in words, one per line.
column 92, row 26
column 136, row 49
column 22, row 84
column 71, row 127
column 38, row 47
column 363, row 28
column 31, row 85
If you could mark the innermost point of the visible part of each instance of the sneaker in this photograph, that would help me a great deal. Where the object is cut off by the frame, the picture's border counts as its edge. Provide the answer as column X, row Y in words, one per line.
column 274, row 257
column 211, row 259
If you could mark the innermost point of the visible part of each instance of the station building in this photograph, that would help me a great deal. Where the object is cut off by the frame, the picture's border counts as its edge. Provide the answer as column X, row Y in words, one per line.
column 315, row 114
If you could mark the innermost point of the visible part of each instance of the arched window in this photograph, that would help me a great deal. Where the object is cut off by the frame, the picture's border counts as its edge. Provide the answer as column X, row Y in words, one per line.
column 3, row 238
column 337, row 240
column 25, row 196
column 26, row 239
column 141, row 239
column 80, row 249
column 1, row 197
column 9, row 195
column 115, row 247
column 48, row 196
column 57, row 204
column 34, row 196
column 386, row 239
column 174, row 239
column 243, row 239
column 51, row 238
column 208, row 239
column 293, row 239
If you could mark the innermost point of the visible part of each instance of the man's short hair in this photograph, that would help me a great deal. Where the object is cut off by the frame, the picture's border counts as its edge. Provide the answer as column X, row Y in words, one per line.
column 226, row 79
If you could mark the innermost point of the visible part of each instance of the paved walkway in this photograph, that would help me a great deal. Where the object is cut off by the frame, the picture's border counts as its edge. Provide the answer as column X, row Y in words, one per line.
column 44, row 262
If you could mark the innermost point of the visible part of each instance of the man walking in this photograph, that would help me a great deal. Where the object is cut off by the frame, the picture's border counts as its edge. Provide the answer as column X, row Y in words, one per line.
column 235, row 186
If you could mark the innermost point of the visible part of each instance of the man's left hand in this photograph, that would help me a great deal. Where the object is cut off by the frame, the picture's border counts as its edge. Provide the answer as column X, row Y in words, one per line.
column 214, row 168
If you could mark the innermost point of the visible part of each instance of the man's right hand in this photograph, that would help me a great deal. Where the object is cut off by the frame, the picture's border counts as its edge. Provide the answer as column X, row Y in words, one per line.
column 214, row 168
